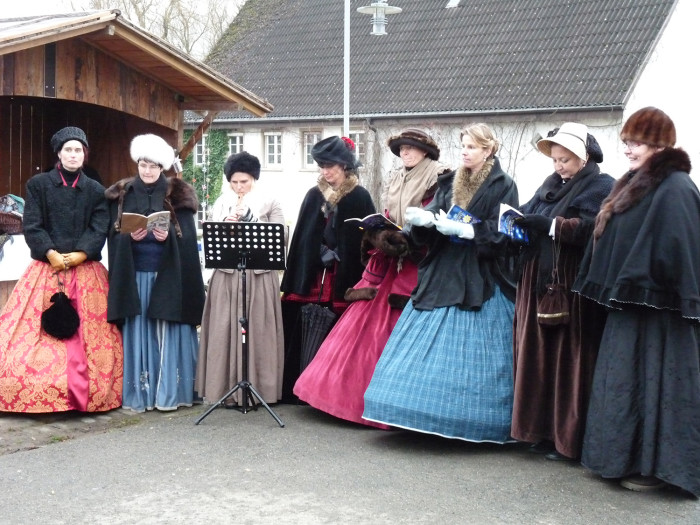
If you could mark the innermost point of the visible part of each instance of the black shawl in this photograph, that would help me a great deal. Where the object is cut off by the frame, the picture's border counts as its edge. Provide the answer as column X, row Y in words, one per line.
column 178, row 292
column 648, row 253
column 304, row 260
column 579, row 198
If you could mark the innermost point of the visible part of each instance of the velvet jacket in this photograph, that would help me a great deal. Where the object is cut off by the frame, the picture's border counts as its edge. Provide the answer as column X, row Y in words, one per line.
column 465, row 273
column 649, row 250
column 304, row 261
column 63, row 218
column 178, row 291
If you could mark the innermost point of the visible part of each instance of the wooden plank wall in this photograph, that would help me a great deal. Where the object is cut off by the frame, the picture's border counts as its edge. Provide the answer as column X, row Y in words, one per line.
column 6, row 288
column 109, row 100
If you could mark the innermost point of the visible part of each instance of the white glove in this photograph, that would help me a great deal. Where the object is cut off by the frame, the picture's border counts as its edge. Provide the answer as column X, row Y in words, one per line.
column 449, row 227
column 418, row 217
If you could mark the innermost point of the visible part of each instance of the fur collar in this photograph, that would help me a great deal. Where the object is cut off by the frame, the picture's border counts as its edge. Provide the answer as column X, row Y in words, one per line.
column 179, row 196
column 634, row 186
column 333, row 197
column 179, row 193
column 466, row 183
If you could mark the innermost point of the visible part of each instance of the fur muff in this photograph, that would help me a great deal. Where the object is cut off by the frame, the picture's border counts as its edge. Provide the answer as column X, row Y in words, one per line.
column 634, row 186
column 360, row 294
column 650, row 126
column 392, row 243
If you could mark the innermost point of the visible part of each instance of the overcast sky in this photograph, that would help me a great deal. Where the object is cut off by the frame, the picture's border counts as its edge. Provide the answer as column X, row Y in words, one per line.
column 11, row 9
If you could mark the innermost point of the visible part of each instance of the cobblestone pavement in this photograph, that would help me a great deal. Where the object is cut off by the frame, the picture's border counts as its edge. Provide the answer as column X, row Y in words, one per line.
column 29, row 431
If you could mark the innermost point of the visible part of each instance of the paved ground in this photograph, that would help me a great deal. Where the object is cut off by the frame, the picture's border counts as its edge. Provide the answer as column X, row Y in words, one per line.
column 123, row 468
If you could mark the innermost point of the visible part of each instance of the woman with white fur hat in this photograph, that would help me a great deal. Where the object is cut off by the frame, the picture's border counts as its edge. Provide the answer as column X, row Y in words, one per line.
column 156, row 290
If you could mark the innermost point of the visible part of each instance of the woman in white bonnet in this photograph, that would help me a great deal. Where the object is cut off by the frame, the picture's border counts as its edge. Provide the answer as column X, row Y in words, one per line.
column 156, row 290
column 553, row 363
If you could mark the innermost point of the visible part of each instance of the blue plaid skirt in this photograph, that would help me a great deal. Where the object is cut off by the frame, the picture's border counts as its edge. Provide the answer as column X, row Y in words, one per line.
column 448, row 372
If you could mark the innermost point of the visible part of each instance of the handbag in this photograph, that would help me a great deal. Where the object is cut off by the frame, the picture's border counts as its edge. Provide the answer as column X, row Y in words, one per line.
column 553, row 306
column 60, row 320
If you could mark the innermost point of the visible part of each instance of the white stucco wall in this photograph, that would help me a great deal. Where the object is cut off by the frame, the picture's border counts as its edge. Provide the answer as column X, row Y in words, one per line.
column 665, row 82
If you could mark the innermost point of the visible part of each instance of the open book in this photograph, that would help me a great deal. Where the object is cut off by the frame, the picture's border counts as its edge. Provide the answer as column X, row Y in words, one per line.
column 375, row 221
column 134, row 221
column 506, row 223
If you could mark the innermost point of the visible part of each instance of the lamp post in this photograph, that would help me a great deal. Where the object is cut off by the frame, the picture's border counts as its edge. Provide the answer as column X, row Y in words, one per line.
column 379, row 10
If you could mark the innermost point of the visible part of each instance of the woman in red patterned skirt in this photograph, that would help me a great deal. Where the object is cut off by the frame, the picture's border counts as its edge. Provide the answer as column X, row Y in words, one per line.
column 65, row 226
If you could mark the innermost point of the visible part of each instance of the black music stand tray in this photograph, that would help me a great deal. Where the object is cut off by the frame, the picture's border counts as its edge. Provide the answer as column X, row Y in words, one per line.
column 243, row 245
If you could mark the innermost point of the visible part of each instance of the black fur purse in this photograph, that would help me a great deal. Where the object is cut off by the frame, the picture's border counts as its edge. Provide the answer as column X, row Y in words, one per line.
column 60, row 320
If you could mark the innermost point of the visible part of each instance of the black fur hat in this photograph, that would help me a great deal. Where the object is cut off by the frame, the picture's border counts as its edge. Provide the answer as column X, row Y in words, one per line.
column 64, row 135
column 650, row 126
column 242, row 162
column 335, row 150
column 60, row 319
column 417, row 138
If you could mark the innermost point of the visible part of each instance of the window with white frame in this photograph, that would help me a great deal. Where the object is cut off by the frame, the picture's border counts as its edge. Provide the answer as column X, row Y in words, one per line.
column 310, row 138
column 235, row 143
column 358, row 137
column 273, row 149
column 200, row 152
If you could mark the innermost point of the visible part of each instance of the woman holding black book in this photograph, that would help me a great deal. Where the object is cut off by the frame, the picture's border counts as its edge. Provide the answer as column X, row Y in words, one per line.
column 324, row 254
column 337, row 378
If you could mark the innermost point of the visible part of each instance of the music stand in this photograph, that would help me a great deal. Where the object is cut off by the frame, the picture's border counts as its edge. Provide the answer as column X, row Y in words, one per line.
column 243, row 245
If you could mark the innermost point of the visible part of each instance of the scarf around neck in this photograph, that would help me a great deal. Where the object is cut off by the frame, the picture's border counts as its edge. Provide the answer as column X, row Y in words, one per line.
column 333, row 196
column 412, row 187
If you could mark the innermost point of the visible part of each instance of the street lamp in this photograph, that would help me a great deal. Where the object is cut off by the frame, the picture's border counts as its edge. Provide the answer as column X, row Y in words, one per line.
column 379, row 9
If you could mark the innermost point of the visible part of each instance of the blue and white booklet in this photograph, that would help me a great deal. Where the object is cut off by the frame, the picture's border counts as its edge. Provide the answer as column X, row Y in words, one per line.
column 506, row 223
column 457, row 214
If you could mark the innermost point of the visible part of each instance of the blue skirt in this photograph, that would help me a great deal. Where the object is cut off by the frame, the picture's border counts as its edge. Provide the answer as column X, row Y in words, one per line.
column 448, row 372
column 160, row 358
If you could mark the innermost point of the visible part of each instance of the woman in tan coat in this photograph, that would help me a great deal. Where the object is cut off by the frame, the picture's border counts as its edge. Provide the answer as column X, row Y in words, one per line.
column 220, row 367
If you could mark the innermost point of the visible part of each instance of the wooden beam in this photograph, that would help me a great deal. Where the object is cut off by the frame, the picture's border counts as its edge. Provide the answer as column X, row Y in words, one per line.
column 195, row 105
column 197, row 135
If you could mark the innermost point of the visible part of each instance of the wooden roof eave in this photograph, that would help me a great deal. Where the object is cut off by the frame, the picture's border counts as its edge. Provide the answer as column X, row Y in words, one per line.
column 210, row 79
column 100, row 27
column 60, row 31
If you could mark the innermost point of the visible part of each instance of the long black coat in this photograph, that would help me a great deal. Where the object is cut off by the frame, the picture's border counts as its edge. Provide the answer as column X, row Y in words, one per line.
column 178, row 291
column 465, row 274
column 64, row 219
column 304, row 262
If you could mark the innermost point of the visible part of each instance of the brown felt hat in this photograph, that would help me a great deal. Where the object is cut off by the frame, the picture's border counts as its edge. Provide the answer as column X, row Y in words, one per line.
column 416, row 138
column 650, row 126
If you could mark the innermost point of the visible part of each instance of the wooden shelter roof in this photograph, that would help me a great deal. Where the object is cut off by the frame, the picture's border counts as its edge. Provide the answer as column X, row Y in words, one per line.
column 199, row 87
